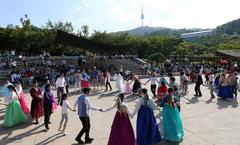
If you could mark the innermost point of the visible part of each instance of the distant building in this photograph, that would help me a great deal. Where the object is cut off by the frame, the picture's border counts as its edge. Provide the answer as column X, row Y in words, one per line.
column 193, row 35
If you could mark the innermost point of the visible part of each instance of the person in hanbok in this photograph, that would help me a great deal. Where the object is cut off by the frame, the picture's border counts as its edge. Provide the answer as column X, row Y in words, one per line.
column 172, row 82
column 54, row 104
column 14, row 114
column 4, row 90
column 22, row 98
column 119, row 81
column 128, row 89
column 85, row 80
column 121, row 131
column 147, row 127
column 162, row 91
column 47, row 103
column 37, row 109
column 225, row 90
column 172, row 123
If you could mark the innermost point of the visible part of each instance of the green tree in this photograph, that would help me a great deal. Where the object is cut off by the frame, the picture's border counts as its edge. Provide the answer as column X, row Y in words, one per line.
column 157, row 57
column 85, row 30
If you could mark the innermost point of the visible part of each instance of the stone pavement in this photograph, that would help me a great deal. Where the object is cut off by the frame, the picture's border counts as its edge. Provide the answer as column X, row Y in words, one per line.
column 205, row 122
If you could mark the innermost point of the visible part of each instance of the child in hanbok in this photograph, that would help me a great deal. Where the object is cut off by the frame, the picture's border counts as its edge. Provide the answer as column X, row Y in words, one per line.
column 147, row 127
column 22, row 98
column 172, row 82
column 14, row 114
column 121, row 132
column 162, row 91
column 172, row 123
column 128, row 89
column 85, row 80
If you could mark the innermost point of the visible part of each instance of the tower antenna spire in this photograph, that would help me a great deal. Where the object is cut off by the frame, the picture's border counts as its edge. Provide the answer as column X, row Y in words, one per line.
column 142, row 15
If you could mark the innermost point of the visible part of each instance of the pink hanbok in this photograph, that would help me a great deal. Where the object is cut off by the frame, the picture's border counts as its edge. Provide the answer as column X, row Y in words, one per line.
column 23, row 102
column 54, row 105
column 128, row 89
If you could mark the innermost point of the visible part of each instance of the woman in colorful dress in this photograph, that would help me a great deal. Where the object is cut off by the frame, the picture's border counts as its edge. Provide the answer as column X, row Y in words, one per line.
column 47, row 104
column 22, row 98
column 121, row 132
column 54, row 105
column 172, row 123
column 225, row 90
column 14, row 114
column 85, row 80
column 147, row 127
column 37, row 110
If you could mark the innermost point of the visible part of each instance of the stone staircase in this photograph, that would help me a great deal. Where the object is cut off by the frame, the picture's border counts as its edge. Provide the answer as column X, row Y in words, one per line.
column 129, row 64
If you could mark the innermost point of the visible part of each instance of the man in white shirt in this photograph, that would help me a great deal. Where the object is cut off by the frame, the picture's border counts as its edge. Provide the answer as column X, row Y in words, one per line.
column 60, row 84
column 154, row 82
column 84, row 108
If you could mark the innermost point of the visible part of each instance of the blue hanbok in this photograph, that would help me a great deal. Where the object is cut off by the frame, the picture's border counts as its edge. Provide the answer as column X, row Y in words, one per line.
column 5, row 92
column 172, row 123
column 147, row 127
column 225, row 92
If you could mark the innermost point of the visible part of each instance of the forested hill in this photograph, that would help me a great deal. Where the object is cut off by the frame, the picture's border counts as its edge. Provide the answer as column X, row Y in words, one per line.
column 159, row 31
column 229, row 28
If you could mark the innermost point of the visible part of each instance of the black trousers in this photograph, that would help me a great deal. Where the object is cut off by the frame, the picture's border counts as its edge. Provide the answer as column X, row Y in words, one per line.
column 60, row 92
column 197, row 89
column 85, row 129
column 153, row 89
column 66, row 87
column 179, row 108
column 234, row 91
column 47, row 113
column 108, row 84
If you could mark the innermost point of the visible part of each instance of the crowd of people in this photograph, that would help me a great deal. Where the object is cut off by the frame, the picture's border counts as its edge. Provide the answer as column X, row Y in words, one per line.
column 166, row 93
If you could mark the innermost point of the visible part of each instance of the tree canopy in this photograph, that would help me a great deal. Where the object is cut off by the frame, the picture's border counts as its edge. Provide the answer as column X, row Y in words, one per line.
column 28, row 39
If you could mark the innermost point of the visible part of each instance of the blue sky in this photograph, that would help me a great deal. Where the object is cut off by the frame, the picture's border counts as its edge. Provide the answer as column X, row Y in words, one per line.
column 116, row 15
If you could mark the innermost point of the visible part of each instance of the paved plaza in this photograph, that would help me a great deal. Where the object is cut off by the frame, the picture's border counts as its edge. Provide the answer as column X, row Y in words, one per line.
column 205, row 122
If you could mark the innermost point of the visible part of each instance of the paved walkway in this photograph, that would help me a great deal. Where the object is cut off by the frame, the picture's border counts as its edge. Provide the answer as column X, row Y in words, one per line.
column 205, row 122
